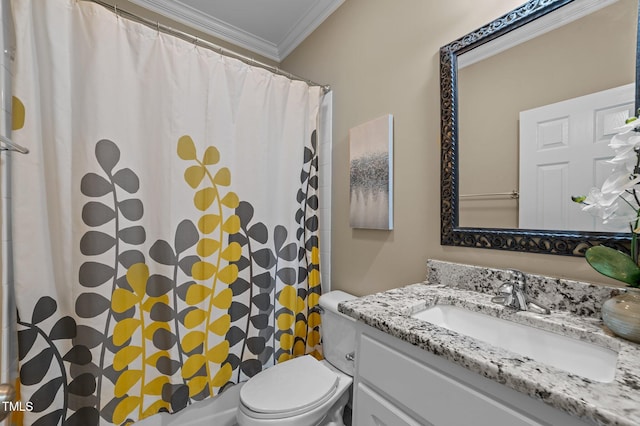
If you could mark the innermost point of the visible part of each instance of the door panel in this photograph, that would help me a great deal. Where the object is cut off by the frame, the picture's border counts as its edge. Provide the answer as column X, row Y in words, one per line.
column 564, row 152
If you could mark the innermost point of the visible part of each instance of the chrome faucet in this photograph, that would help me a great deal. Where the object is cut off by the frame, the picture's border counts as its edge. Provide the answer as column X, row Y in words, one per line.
column 512, row 294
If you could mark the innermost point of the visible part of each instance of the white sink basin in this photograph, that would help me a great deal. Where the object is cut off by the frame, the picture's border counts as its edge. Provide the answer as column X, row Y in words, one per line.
column 573, row 356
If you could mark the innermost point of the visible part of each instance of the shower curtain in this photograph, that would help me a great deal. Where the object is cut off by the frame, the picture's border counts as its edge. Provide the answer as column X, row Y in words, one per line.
column 165, row 222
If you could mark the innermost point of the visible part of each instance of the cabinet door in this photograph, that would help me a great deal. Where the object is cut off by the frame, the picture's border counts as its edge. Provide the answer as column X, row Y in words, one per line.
column 433, row 391
column 373, row 410
column 436, row 397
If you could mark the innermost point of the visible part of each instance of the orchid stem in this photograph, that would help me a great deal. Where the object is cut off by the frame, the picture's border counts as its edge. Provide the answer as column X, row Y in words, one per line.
column 634, row 254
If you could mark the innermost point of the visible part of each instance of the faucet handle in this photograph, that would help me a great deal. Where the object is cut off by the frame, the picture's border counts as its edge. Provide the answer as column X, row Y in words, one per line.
column 506, row 288
column 517, row 278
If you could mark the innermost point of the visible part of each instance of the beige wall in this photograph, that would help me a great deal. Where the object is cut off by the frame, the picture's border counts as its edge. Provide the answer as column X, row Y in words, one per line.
column 382, row 56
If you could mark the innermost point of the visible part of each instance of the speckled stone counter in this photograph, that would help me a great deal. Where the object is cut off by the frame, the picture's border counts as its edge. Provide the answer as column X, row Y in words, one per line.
column 575, row 313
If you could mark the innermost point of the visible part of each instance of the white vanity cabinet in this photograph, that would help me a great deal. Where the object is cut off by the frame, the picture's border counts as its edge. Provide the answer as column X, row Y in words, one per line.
column 398, row 384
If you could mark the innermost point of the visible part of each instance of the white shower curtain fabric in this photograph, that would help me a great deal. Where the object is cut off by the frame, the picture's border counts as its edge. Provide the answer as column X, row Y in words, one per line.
column 165, row 221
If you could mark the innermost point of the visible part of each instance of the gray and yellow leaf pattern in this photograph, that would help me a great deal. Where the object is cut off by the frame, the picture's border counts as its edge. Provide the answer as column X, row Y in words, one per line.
column 160, row 325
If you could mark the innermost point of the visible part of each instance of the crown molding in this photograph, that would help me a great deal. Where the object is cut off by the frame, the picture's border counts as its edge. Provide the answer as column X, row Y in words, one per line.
column 178, row 11
column 306, row 25
column 211, row 25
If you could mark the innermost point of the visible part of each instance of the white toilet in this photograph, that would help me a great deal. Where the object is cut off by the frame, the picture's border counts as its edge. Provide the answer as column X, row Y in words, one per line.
column 304, row 391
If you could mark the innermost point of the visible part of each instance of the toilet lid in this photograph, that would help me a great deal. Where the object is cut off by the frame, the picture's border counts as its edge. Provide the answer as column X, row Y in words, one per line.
column 297, row 385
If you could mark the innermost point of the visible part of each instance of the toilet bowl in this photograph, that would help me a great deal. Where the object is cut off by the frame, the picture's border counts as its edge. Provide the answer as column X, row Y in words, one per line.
column 304, row 391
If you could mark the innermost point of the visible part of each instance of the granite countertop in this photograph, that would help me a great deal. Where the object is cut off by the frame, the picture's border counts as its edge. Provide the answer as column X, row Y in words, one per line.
column 615, row 403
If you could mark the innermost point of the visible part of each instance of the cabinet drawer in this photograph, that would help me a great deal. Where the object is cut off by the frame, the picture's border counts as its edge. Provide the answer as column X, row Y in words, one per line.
column 431, row 394
column 374, row 410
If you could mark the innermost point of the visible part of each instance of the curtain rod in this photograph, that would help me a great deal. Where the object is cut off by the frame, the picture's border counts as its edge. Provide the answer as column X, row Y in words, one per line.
column 204, row 43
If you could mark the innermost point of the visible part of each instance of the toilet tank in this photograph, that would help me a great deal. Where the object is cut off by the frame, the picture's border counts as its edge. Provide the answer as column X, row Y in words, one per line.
column 338, row 332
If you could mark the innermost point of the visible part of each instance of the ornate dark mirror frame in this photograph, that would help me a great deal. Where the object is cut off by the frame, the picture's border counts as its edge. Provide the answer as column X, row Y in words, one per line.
column 567, row 243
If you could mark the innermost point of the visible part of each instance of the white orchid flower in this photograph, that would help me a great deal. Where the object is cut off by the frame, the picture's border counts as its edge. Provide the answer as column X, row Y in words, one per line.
column 624, row 139
column 626, row 154
column 619, row 182
column 599, row 204
column 632, row 123
column 617, row 199
column 625, row 144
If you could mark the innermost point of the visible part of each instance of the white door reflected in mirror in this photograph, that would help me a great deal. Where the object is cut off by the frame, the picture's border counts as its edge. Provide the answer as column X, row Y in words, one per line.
column 564, row 151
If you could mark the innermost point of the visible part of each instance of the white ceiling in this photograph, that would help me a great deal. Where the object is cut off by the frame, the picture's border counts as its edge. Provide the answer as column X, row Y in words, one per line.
column 271, row 28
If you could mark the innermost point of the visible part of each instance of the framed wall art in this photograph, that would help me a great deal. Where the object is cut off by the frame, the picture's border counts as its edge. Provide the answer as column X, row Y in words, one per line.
column 371, row 174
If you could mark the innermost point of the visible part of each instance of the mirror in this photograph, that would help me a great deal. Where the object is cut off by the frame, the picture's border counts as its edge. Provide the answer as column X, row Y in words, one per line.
column 518, row 64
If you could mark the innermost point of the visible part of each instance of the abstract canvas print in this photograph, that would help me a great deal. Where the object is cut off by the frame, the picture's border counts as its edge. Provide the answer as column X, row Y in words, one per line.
column 371, row 174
